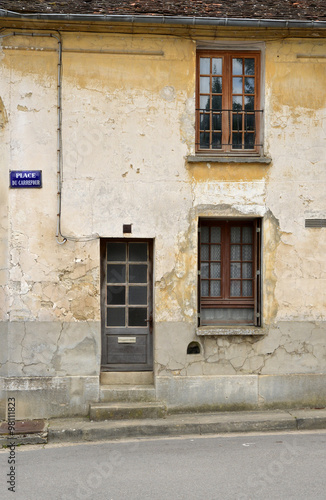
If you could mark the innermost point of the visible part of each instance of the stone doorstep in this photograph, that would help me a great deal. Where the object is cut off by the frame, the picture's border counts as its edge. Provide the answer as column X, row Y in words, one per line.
column 124, row 393
column 127, row 411
column 25, row 432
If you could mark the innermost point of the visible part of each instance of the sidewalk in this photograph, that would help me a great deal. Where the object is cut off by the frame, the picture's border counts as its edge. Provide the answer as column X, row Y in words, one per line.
column 78, row 430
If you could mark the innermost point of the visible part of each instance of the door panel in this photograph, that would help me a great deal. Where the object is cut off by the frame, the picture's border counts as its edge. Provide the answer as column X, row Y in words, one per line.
column 126, row 304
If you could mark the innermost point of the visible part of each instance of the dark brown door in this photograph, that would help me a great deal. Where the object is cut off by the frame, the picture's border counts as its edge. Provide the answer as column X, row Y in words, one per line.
column 126, row 303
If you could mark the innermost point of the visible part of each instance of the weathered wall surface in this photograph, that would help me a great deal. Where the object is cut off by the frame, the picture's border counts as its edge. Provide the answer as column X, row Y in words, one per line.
column 128, row 126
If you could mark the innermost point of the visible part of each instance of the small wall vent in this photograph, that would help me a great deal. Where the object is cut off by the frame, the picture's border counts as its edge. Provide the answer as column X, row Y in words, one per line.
column 316, row 223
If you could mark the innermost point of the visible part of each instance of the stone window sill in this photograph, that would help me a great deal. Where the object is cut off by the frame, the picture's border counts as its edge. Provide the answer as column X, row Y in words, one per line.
column 228, row 159
column 230, row 330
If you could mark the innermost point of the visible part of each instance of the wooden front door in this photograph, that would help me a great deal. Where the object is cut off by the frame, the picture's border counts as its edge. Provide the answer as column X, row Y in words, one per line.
column 126, row 305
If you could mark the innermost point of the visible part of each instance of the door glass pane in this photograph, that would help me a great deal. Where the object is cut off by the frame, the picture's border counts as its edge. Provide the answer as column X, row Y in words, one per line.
column 115, row 316
column 217, row 121
column 246, row 288
column 249, row 66
column 217, row 102
column 249, row 141
column 237, row 66
column 204, row 84
column 204, row 121
column 204, row 252
column 216, row 235
column 138, row 273
column 116, row 251
column 247, row 252
column 217, row 65
column 216, row 270
column 247, row 270
column 204, row 65
column 249, row 102
column 237, row 103
column 215, row 252
column 236, row 270
column 116, row 295
column 116, row 273
column 204, row 234
column 204, row 140
column 138, row 252
column 204, row 288
column 237, row 140
column 137, row 316
column 237, row 121
column 217, row 140
column 235, row 235
column 236, row 85
column 138, row 295
column 204, row 270
column 250, row 122
column 235, row 252
column 249, row 85
column 215, row 288
column 217, row 85
column 235, row 290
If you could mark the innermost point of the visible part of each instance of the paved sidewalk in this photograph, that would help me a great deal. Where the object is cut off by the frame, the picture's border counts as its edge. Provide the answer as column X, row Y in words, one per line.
column 83, row 430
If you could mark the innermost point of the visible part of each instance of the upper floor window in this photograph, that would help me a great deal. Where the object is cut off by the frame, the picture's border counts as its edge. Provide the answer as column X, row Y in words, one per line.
column 228, row 113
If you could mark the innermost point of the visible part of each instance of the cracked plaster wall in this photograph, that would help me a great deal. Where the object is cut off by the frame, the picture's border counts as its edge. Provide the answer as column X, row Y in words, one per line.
column 128, row 124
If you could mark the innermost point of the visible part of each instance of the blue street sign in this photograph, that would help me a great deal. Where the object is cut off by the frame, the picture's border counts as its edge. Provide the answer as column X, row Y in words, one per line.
column 26, row 178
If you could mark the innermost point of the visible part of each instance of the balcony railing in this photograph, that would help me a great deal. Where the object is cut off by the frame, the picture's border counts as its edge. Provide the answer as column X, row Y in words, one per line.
column 229, row 130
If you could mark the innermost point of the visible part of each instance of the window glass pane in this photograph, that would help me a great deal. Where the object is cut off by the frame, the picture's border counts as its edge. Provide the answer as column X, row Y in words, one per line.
column 247, row 235
column 249, row 66
column 237, row 85
column 249, row 85
column 235, row 289
column 216, row 140
column 204, row 288
column 204, row 252
column 237, row 103
column 215, row 288
column 235, row 234
column 217, row 102
column 115, row 316
column 138, row 295
column 215, row 252
column 247, row 270
column 116, row 295
column 247, row 288
column 204, row 65
column 204, row 140
column 237, row 121
column 227, row 315
column 217, row 65
column 237, row 66
column 250, row 122
column 235, row 252
column 247, row 252
column 138, row 273
column 204, row 102
column 217, row 84
column 217, row 121
column 237, row 140
column 204, row 122
column 116, row 273
column 215, row 235
column 204, row 234
column 137, row 316
column 138, row 252
column 236, row 270
column 204, row 85
column 249, row 140
column 116, row 251
column 204, row 270
column 215, row 270
column 249, row 102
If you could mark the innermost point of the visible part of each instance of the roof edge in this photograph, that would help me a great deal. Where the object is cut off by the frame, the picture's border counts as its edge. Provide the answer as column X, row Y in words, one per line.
column 153, row 19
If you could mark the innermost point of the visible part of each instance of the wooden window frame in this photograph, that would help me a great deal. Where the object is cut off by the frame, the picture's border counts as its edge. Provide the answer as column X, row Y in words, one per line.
column 227, row 113
column 225, row 300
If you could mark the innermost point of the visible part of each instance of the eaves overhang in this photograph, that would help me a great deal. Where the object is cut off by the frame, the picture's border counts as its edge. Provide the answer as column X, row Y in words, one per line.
column 167, row 20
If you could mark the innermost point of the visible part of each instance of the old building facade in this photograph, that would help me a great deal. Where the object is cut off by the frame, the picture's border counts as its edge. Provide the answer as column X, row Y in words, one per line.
column 179, row 233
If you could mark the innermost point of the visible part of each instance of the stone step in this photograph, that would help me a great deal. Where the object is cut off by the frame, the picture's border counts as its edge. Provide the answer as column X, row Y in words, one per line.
column 124, row 411
column 127, row 378
column 127, row 393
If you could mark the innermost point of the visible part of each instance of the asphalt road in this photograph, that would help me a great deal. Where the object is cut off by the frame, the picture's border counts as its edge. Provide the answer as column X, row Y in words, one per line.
column 234, row 467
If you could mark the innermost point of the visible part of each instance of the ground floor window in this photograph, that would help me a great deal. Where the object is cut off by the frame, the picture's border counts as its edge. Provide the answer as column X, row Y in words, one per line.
column 229, row 272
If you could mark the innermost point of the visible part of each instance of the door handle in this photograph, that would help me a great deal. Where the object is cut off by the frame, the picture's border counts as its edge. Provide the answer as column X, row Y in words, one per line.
column 149, row 321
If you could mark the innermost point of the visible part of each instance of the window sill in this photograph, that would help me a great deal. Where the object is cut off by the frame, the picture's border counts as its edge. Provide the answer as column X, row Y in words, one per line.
column 228, row 159
column 230, row 330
